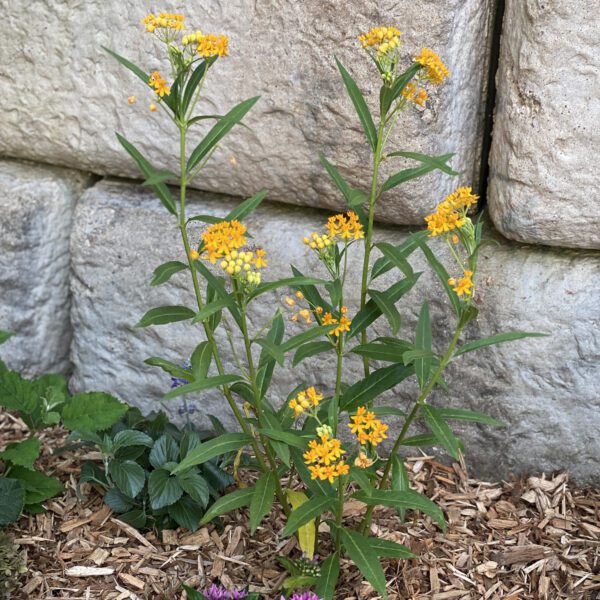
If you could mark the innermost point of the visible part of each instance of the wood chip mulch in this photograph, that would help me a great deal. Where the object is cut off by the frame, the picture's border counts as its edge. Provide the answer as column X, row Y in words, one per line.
column 533, row 538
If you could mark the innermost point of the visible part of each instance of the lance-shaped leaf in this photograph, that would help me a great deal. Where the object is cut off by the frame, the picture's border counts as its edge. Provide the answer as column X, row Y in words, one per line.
column 217, row 285
column 212, row 307
column 414, row 172
column 307, row 512
column 354, row 198
column 442, row 432
column 310, row 349
column 459, row 414
column 327, row 582
column 129, row 65
column 266, row 362
column 201, row 359
column 423, row 343
column 271, row 423
column 262, row 499
column 390, row 350
column 5, row 335
column 203, row 384
column 499, row 338
column 387, row 94
column 400, row 481
column 219, row 131
column 365, row 558
column 435, row 162
column 192, row 84
column 409, row 500
column 171, row 368
column 227, row 503
column 292, row 439
column 390, row 549
column 388, row 308
column 360, row 105
column 384, row 263
column 311, row 293
column 166, row 314
column 397, row 256
column 247, row 207
column 215, row 447
column 160, row 189
column 374, row 384
column 294, row 282
column 164, row 272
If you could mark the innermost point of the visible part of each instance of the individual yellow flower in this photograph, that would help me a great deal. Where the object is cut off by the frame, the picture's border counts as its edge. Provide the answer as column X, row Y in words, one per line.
column 367, row 428
column 207, row 45
column 159, row 84
column 464, row 287
column 415, row 95
column 343, row 322
column 362, row 461
column 260, row 261
column 435, row 69
column 223, row 239
column 194, row 255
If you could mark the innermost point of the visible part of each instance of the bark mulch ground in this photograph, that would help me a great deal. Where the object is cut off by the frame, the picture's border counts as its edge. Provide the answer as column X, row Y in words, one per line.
column 537, row 537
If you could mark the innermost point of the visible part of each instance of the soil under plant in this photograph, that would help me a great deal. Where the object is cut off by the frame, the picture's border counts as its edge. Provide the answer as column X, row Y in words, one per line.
column 533, row 538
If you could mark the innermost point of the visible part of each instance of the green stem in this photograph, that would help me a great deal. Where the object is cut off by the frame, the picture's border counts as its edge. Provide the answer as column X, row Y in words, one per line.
column 369, row 234
column 339, row 514
column 208, row 331
column 366, row 522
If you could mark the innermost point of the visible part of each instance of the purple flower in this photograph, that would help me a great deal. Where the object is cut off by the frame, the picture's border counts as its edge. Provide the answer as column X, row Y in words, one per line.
column 217, row 592
column 303, row 596
column 177, row 381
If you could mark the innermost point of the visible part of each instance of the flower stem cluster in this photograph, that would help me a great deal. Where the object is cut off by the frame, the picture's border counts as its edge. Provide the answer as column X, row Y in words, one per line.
column 324, row 459
column 305, row 402
column 452, row 212
column 382, row 44
column 366, row 428
column 207, row 45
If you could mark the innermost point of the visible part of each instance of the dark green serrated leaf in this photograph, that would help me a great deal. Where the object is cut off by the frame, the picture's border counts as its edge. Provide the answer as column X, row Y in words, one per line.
column 12, row 500
column 38, row 487
column 92, row 411
column 128, row 476
column 163, row 489
column 196, row 486
column 23, row 453
column 165, row 450
column 186, row 513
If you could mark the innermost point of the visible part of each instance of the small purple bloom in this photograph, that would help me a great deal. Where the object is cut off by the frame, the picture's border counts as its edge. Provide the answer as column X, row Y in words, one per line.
column 178, row 381
column 217, row 592
column 303, row 596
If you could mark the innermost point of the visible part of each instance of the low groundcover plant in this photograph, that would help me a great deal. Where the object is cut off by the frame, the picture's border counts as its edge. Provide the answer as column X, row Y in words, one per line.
column 294, row 443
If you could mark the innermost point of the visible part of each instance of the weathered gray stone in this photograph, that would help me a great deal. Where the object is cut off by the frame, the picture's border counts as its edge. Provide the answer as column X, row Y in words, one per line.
column 545, row 389
column 37, row 205
column 544, row 177
column 64, row 97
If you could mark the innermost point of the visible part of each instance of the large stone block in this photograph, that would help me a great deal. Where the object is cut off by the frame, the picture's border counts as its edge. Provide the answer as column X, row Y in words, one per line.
column 545, row 389
column 544, row 177
column 64, row 97
column 37, row 205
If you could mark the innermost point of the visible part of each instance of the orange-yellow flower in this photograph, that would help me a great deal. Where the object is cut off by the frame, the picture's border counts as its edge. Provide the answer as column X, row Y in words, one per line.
column 452, row 212
column 223, row 238
column 159, row 84
column 324, row 459
column 345, row 226
column 343, row 322
column 367, row 428
column 305, row 400
column 163, row 21
column 464, row 287
column 435, row 69
column 207, row 45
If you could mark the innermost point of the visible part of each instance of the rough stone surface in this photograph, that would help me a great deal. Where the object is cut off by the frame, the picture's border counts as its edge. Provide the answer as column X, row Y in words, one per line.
column 544, row 177
column 37, row 205
column 545, row 389
column 64, row 97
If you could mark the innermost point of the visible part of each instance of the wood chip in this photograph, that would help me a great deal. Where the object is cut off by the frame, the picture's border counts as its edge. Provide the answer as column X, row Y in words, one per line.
column 88, row 571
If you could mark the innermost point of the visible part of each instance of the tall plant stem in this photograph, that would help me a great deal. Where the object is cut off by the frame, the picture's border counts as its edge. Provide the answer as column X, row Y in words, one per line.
column 369, row 235
column 258, row 400
column 339, row 514
column 366, row 522
column 207, row 329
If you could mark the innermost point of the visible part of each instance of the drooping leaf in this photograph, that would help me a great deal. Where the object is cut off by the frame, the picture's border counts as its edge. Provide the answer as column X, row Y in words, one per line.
column 400, row 481
column 295, row 282
column 365, row 558
column 129, row 65
column 309, row 511
column 310, row 349
column 390, row 549
column 384, row 263
column 442, row 432
column 166, row 314
column 164, row 272
column 307, row 534
column 171, row 368
column 262, row 500
column 458, row 414
column 388, row 308
column 388, row 350
column 227, row 503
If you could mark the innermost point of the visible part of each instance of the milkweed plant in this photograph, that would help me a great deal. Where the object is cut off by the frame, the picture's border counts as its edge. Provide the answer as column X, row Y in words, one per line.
column 295, row 445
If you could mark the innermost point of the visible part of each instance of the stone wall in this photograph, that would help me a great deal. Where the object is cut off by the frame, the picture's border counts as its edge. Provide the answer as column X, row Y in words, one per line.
column 77, row 251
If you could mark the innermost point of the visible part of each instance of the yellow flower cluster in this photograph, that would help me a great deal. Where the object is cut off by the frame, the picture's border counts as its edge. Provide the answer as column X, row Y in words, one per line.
column 318, row 242
column 324, row 459
column 382, row 39
column 345, row 226
column 464, row 286
column 159, row 84
column 207, row 44
column 435, row 69
column 451, row 213
column 305, row 400
column 164, row 21
column 367, row 428
column 413, row 94
column 221, row 239
column 343, row 322
column 241, row 263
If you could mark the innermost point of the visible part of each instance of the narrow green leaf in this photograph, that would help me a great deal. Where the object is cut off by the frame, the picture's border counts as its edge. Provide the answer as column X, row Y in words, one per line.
column 159, row 177
column 217, row 284
column 414, row 173
column 306, row 336
column 360, row 551
column 374, row 384
column 5, row 335
column 247, row 207
column 311, row 293
column 360, row 105
column 166, row 314
column 211, row 308
column 315, row 507
column 266, row 362
column 227, row 503
column 388, row 308
column 287, row 437
column 129, row 65
column 128, row 476
column 160, row 189
column 423, row 341
column 442, row 432
column 499, row 338
column 192, row 84
column 389, row 351
column 408, row 499
column 422, row 440
column 219, row 131
column 169, row 367
column 360, row 477
column 435, row 162
column 400, row 481
column 201, row 359
column 204, row 384
column 287, row 282
column 397, row 257
column 310, row 349
column 262, row 500
column 164, row 272
column 327, row 582
column 215, row 447
column 390, row 549
column 389, row 94
column 271, row 349
column 270, row 421
column 383, row 264
column 473, row 416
